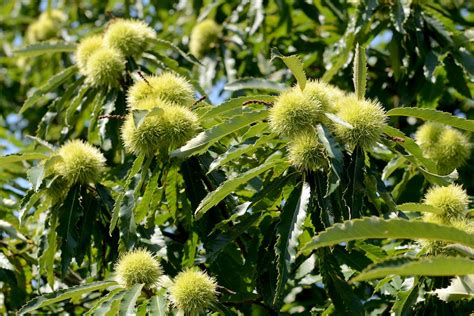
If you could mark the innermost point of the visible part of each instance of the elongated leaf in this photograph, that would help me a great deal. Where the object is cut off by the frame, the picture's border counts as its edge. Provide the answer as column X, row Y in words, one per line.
column 336, row 157
column 111, row 307
column 460, row 288
column 232, row 104
column 46, row 260
column 69, row 213
column 294, row 64
column 126, row 223
column 54, row 82
column 82, row 99
column 73, row 292
column 429, row 266
column 464, row 250
column 35, row 176
column 158, row 306
column 141, row 310
column 254, row 84
column 288, row 231
column 227, row 187
column 45, row 47
column 97, row 108
column 188, row 57
column 336, row 119
column 103, row 299
column 399, row 12
column 354, row 192
column 21, row 157
column 434, row 115
column 340, row 292
column 141, row 208
column 360, row 71
column 86, row 225
column 238, row 152
column 374, row 227
column 405, row 300
column 205, row 139
column 131, row 173
column 127, row 305
column 410, row 146
column 437, row 179
column 171, row 190
column 392, row 166
column 28, row 202
column 340, row 55
column 419, row 207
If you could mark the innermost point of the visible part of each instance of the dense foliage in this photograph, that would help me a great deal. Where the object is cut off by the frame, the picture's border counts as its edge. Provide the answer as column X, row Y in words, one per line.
column 237, row 157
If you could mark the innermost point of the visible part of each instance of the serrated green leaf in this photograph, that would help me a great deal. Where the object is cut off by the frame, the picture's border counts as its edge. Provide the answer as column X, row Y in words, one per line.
column 58, row 296
column 69, row 213
column 97, row 108
column 294, row 64
column 354, row 190
column 463, row 250
column 340, row 55
column 45, row 47
column 111, row 306
column 336, row 119
column 171, row 190
column 374, row 227
column 336, row 158
column 410, row 146
column 254, row 84
column 28, row 202
column 435, row 116
column 227, row 187
column 339, row 290
column 288, row 231
column 158, row 306
column 140, row 115
column 439, row 28
column 460, row 288
column 126, row 222
column 232, row 104
column 141, row 310
column 54, row 82
column 399, row 12
column 103, row 299
column 46, row 260
column 141, row 208
column 427, row 266
column 131, row 173
column 439, row 180
column 392, row 166
column 35, row 176
column 127, row 305
column 188, row 57
column 238, row 152
column 405, row 300
column 419, row 207
column 84, row 97
column 456, row 78
column 21, row 157
column 205, row 139
column 360, row 71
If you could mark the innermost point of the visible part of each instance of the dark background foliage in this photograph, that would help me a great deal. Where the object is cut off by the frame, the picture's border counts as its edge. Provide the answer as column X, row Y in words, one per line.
column 419, row 55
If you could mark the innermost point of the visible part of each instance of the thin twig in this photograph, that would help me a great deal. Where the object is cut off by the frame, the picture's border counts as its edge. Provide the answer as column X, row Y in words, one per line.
column 142, row 76
column 200, row 100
